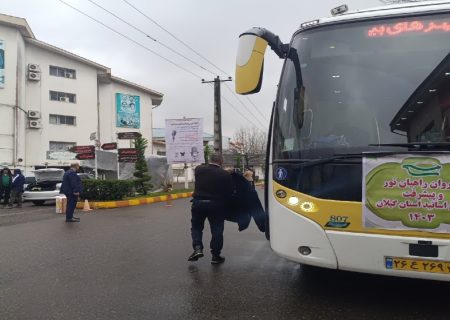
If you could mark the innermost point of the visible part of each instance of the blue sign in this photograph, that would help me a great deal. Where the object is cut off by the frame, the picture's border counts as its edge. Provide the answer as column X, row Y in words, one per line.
column 389, row 263
column 128, row 111
column 281, row 174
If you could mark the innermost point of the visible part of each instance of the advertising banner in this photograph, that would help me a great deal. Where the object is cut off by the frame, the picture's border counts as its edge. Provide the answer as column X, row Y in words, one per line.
column 407, row 192
column 61, row 155
column 184, row 141
column 2, row 64
column 128, row 111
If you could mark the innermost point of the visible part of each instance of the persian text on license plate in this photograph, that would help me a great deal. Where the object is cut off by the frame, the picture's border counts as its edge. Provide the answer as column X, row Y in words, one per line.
column 419, row 265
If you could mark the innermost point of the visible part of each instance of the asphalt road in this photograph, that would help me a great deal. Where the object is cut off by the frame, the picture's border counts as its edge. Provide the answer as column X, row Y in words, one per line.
column 131, row 264
column 29, row 212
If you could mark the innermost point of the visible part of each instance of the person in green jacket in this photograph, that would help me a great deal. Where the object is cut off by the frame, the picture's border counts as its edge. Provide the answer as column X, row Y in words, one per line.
column 5, row 186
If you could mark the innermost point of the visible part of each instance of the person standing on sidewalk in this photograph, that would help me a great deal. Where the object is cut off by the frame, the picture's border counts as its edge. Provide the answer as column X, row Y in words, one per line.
column 71, row 187
column 5, row 186
column 213, row 189
column 18, row 181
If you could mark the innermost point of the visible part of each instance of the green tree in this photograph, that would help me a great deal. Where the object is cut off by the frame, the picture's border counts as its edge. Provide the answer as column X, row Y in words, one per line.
column 142, row 182
column 207, row 150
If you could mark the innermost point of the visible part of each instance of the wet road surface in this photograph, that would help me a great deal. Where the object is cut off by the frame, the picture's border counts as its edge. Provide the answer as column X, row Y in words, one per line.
column 131, row 264
column 28, row 212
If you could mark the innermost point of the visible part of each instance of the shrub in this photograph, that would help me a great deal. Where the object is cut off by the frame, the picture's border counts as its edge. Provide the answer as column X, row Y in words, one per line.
column 106, row 189
column 142, row 181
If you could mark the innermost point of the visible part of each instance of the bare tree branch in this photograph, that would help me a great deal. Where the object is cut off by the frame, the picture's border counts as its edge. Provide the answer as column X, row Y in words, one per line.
column 249, row 141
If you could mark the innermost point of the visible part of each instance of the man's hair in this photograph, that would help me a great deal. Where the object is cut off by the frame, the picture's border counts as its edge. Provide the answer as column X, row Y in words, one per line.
column 215, row 158
column 74, row 165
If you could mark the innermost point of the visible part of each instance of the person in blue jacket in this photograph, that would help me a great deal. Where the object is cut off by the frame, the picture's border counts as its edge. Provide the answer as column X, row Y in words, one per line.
column 18, row 181
column 71, row 187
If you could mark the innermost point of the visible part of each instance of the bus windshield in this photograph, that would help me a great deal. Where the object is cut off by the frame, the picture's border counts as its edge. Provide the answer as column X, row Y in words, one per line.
column 349, row 88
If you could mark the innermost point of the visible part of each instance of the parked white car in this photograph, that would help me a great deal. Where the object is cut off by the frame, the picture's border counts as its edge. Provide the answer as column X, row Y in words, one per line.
column 46, row 187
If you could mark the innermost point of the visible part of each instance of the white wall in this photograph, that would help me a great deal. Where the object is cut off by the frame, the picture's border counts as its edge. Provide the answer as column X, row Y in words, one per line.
column 8, row 98
column 38, row 98
column 108, row 127
column 32, row 144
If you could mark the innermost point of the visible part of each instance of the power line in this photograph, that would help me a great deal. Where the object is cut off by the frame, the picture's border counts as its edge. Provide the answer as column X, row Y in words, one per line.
column 132, row 40
column 150, row 37
column 190, row 48
column 257, row 109
column 238, row 111
column 244, row 105
column 176, row 38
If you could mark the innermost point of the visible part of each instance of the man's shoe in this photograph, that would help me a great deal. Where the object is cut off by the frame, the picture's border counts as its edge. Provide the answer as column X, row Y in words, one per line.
column 76, row 218
column 198, row 253
column 217, row 260
column 72, row 220
column 10, row 207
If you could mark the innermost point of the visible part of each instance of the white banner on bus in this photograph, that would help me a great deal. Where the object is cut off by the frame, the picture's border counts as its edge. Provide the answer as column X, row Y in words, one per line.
column 184, row 141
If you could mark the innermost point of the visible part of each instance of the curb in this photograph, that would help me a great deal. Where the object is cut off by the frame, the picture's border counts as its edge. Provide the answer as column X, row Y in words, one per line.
column 133, row 202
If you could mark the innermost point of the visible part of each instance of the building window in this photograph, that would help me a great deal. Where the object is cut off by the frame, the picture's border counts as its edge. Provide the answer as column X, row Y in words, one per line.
column 63, row 72
column 63, row 96
column 61, row 146
column 59, row 119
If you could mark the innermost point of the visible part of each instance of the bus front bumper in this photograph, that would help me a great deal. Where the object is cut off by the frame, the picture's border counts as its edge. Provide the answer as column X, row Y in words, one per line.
column 359, row 252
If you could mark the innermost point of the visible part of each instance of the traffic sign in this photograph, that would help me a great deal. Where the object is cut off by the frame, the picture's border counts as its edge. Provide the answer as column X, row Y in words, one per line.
column 109, row 146
column 128, row 158
column 85, row 156
column 82, row 149
column 127, row 152
column 128, row 135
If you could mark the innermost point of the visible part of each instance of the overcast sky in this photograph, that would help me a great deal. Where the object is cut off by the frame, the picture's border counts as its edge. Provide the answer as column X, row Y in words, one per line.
column 211, row 27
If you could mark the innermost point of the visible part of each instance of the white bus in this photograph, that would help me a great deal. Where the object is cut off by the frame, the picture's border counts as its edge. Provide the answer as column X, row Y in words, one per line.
column 358, row 168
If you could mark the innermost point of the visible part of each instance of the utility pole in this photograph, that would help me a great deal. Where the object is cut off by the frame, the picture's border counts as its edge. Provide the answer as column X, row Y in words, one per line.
column 217, row 114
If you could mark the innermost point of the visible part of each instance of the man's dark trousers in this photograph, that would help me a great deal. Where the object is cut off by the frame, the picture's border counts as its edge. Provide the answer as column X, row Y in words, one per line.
column 71, row 205
column 214, row 212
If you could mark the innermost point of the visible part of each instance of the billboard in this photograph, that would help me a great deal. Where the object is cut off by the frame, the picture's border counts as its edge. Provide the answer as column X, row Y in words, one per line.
column 128, row 111
column 2, row 64
column 407, row 192
column 184, row 141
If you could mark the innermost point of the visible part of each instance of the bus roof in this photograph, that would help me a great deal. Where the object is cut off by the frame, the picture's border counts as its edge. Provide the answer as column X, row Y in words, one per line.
column 383, row 11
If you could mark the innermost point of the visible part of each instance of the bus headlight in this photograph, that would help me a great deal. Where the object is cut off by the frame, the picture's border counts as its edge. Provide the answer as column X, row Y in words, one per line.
column 293, row 201
column 308, row 207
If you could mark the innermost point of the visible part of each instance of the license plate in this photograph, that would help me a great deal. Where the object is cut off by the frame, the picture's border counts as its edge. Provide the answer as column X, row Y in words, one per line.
column 418, row 265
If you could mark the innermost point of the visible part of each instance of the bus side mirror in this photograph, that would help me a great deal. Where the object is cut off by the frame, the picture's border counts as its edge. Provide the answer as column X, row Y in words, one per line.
column 250, row 64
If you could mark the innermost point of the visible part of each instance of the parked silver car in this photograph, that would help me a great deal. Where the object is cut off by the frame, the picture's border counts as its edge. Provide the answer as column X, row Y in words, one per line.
column 46, row 187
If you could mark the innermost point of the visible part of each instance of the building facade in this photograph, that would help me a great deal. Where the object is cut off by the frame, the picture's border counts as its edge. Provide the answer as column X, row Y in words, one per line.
column 52, row 100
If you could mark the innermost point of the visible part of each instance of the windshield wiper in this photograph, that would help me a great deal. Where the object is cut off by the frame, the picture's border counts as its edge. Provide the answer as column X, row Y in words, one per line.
column 415, row 145
column 311, row 163
column 419, row 146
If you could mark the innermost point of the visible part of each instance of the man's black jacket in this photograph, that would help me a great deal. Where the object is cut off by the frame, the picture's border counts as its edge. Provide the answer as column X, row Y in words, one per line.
column 245, row 204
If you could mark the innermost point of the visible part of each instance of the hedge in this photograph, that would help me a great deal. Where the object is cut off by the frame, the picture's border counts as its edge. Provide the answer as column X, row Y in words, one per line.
column 107, row 189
